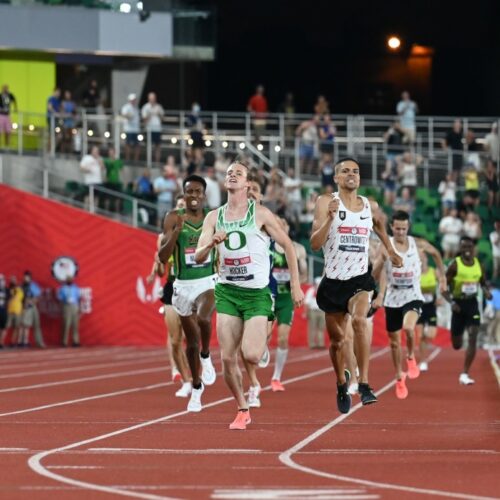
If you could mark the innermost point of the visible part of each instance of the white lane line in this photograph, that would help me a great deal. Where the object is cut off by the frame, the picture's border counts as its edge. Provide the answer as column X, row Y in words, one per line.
column 88, row 398
column 132, row 360
column 286, row 457
column 35, row 461
column 2, row 450
column 494, row 363
column 76, row 467
column 282, row 494
column 170, row 451
column 85, row 379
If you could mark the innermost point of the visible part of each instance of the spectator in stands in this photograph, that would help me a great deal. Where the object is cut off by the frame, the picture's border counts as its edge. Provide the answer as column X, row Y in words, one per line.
column 287, row 107
column 293, row 190
column 404, row 202
column 315, row 318
column 472, row 227
column 327, row 172
column 275, row 195
column 91, row 97
column 257, row 106
column 310, row 205
column 407, row 111
column 473, row 149
column 451, row 227
column 491, row 175
column 393, row 138
column 453, row 143
column 447, row 189
column 70, row 295
column 213, row 190
column 152, row 114
column 307, row 131
column 130, row 112
column 494, row 324
column 92, row 167
column 4, row 297
column 114, row 167
column 7, row 100
column 195, row 125
column 31, row 317
column 68, row 113
column 407, row 164
column 326, row 135
column 14, row 311
column 143, row 185
column 53, row 111
column 492, row 144
column 495, row 249
column 471, row 195
column 322, row 107
column 166, row 188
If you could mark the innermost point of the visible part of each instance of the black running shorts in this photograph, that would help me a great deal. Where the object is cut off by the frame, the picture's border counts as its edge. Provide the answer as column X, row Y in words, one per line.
column 168, row 291
column 394, row 315
column 429, row 315
column 468, row 316
column 333, row 295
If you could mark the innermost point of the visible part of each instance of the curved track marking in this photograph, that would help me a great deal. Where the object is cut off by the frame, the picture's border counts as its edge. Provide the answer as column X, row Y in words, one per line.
column 286, row 457
column 35, row 461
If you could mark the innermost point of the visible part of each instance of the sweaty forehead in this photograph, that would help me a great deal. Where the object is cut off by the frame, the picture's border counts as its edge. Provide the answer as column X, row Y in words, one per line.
column 347, row 164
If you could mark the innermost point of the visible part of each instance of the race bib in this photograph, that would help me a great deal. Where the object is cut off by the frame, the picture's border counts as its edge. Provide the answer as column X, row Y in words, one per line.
column 189, row 258
column 402, row 280
column 281, row 275
column 469, row 288
column 239, row 269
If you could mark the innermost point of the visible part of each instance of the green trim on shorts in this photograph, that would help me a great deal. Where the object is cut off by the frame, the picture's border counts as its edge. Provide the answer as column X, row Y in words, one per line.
column 284, row 308
column 242, row 302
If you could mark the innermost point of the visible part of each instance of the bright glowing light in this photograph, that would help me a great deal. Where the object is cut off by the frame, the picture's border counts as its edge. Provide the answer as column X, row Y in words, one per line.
column 394, row 43
column 107, row 134
column 125, row 8
column 260, row 147
column 173, row 140
column 208, row 143
column 90, row 133
column 225, row 144
column 74, row 131
column 242, row 145
column 190, row 142
column 14, row 126
column 277, row 148
column 123, row 136
column 57, row 129
column 140, row 6
column 31, row 127
column 140, row 137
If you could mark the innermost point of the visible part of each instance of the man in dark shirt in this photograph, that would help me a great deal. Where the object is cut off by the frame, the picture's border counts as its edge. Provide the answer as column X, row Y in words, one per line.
column 6, row 100
column 453, row 142
column 91, row 96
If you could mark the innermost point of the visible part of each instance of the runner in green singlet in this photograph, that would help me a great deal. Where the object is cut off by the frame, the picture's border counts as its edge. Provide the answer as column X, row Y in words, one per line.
column 193, row 297
column 240, row 230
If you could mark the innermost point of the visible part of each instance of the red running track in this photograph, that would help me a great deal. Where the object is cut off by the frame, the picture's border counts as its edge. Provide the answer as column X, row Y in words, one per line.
column 104, row 423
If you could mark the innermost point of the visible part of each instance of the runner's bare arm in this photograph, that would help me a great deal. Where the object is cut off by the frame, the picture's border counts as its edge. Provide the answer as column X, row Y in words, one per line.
column 274, row 229
column 208, row 238
column 379, row 228
column 382, row 287
column 436, row 255
column 172, row 226
column 302, row 261
column 484, row 284
column 451, row 272
column 324, row 212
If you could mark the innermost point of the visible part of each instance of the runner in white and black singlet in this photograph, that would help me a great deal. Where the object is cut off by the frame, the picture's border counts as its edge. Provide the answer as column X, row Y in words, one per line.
column 342, row 225
column 402, row 296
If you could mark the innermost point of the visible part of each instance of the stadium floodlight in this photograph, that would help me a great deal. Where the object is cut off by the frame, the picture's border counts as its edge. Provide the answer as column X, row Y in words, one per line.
column 90, row 133
column 140, row 6
column 208, row 143
column 394, row 43
column 57, row 129
column 277, row 148
column 123, row 136
column 260, row 147
column 14, row 126
column 190, row 142
column 107, row 134
column 31, row 127
column 173, row 140
column 125, row 8
column 140, row 137
column 242, row 145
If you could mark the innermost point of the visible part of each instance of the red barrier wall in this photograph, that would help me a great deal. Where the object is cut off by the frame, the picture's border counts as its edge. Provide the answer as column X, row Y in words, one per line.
column 114, row 260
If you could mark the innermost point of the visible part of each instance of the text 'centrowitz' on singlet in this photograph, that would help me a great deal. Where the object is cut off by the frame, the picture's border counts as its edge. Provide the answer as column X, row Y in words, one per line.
column 346, row 248
column 187, row 241
column 244, row 254
column 403, row 283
